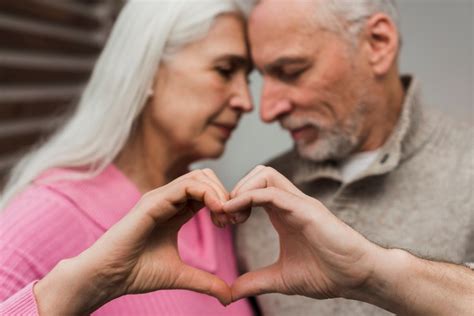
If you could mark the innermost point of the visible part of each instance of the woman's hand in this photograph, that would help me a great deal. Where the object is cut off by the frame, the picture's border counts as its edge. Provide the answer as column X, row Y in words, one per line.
column 139, row 253
column 320, row 256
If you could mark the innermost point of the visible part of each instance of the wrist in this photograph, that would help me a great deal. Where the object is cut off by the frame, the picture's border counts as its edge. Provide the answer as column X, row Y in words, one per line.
column 68, row 289
column 389, row 276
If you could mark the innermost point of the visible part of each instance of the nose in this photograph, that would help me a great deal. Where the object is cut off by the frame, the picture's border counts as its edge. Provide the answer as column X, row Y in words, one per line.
column 242, row 99
column 272, row 103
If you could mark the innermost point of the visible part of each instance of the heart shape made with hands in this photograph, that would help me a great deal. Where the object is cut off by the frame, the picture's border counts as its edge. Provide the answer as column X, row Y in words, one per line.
column 320, row 256
column 265, row 187
column 317, row 251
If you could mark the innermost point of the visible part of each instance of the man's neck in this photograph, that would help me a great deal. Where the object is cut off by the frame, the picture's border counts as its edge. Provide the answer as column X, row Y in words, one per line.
column 385, row 116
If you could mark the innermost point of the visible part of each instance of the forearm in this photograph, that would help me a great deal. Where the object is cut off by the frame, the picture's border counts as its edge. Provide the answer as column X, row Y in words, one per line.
column 407, row 285
column 69, row 290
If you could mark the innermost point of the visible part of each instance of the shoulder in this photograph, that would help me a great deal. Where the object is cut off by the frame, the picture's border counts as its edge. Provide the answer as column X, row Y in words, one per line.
column 443, row 164
column 451, row 140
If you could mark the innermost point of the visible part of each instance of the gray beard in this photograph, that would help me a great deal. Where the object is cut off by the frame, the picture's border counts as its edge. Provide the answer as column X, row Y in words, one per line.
column 330, row 145
column 334, row 144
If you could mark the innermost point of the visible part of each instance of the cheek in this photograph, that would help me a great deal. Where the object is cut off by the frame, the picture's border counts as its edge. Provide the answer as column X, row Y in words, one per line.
column 335, row 70
column 337, row 90
column 183, row 114
column 319, row 103
column 203, row 99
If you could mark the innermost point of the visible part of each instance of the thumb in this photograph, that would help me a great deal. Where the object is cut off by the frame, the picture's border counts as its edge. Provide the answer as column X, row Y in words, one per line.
column 261, row 281
column 203, row 282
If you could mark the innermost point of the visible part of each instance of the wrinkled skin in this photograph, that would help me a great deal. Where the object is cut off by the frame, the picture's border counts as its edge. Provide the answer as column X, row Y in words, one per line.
column 320, row 256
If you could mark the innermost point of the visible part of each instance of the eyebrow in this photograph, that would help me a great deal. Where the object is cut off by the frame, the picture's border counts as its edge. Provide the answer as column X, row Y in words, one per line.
column 283, row 61
column 236, row 59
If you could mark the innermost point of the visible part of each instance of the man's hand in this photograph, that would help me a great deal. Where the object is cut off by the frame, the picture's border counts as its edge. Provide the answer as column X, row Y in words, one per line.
column 320, row 256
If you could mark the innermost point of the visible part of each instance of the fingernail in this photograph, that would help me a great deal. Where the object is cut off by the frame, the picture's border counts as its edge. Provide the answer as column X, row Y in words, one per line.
column 239, row 218
column 221, row 220
column 223, row 217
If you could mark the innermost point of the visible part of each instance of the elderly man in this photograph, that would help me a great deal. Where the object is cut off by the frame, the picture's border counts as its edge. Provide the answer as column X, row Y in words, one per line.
column 368, row 148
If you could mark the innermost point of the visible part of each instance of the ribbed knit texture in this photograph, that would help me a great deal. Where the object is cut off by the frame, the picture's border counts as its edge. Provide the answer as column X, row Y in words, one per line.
column 53, row 221
column 22, row 303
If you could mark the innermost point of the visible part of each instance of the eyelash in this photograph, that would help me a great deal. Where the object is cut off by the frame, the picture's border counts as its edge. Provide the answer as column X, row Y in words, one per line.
column 293, row 76
column 225, row 72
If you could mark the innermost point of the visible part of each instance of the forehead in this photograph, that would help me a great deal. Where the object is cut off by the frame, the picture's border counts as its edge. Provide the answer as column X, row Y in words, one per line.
column 282, row 28
column 226, row 36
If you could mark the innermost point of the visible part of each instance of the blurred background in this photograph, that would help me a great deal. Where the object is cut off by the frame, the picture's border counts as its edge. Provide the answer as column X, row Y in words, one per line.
column 48, row 49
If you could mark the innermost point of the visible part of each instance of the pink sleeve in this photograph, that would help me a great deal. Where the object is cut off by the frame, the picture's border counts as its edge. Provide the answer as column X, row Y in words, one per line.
column 37, row 230
column 21, row 303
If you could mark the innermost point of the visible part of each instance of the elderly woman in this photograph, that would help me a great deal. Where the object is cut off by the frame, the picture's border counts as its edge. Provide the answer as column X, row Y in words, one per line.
column 76, row 234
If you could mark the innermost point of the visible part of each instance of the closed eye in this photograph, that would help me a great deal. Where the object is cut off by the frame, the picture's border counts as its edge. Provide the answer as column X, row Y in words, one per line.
column 225, row 72
column 229, row 65
column 288, row 69
column 289, row 75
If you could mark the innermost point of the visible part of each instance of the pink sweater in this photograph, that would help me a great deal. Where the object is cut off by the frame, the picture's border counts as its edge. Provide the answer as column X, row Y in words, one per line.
column 49, row 222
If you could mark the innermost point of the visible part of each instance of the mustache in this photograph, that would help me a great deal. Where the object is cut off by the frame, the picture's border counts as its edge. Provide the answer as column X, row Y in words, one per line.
column 292, row 123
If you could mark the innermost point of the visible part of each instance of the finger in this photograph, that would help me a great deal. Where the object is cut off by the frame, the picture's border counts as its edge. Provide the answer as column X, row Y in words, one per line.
column 201, row 175
column 203, row 191
column 208, row 176
column 203, row 282
column 242, row 215
column 255, row 181
column 223, row 219
column 295, row 212
column 267, row 177
column 260, row 197
column 165, row 202
column 216, row 221
column 219, row 219
column 262, row 281
column 213, row 177
column 161, row 205
column 244, row 179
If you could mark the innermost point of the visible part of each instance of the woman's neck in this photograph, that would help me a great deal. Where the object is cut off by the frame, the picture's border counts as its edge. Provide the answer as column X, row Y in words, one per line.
column 150, row 164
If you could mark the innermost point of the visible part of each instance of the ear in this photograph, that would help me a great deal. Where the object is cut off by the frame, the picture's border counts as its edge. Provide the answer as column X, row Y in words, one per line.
column 383, row 43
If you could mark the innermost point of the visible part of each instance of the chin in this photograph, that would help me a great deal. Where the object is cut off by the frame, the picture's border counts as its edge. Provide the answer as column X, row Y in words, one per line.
column 309, row 152
column 331, row 148
column 213, row 152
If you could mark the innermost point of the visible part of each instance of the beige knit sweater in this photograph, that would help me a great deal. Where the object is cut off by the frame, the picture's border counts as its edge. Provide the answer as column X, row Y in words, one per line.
column 418, row 195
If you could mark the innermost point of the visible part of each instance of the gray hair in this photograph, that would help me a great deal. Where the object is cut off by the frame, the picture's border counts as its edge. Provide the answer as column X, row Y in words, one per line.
column 145, row 32
column 347, row 17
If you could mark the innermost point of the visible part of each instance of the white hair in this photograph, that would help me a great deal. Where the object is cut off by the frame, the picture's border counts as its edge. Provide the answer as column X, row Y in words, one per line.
column 145, row 32
column 347, row 17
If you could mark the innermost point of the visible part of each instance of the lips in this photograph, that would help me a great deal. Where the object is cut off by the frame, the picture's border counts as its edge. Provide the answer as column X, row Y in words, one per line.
column 225, row 128
column 301, row 133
